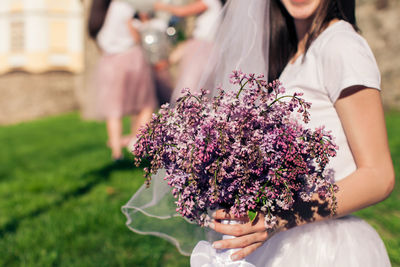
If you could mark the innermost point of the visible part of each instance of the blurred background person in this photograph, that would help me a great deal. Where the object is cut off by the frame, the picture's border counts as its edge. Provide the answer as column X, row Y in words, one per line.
column 193, row 54
column 123, row 84
column 156, row 42
column 98, row 12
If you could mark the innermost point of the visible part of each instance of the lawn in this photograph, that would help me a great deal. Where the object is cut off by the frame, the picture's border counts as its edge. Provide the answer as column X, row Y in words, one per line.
column 60, row 199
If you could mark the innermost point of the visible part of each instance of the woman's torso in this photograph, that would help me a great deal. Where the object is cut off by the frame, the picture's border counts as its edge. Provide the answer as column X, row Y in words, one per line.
column 115, row 37
column 313, row 77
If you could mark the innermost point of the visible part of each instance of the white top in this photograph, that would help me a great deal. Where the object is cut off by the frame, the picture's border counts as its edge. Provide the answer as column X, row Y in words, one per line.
column 337, row 59
column 114, row 36
column 207, row 22
column 155, row 23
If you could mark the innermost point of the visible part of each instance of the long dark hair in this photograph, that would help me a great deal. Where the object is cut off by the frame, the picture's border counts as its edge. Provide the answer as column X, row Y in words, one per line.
column 283, row 38
column 97, row 16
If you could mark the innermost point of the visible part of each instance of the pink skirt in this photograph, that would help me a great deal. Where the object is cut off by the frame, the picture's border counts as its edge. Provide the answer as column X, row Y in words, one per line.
column 123, row 84
column 163, row 83
column 192, row 66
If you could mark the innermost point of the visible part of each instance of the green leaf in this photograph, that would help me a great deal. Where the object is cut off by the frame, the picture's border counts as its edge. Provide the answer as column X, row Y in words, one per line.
column 252, row 215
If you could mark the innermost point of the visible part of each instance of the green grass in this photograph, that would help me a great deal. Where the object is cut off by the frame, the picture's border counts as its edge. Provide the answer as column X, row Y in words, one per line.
column 60, row 199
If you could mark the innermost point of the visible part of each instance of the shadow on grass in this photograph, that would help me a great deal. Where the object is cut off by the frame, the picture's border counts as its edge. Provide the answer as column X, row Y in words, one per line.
column 95, row 178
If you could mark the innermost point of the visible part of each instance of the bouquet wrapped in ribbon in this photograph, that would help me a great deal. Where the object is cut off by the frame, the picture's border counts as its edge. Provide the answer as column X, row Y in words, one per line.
column 243, row 150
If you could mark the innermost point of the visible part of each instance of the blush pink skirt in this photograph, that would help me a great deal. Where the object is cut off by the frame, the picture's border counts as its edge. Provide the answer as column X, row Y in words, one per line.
column 123, row 85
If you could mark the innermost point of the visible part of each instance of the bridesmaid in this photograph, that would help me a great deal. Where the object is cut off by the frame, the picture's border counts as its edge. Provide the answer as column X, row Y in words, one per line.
column 157, row 53
column 196, row 50
column 123, row 83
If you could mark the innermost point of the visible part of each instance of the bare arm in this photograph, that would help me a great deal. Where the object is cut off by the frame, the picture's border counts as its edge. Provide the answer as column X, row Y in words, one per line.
column 134, row 32
column 195, row 8
column 362, row 117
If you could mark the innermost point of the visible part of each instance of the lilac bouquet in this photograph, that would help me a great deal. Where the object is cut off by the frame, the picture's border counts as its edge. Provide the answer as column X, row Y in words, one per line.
column 241, row 150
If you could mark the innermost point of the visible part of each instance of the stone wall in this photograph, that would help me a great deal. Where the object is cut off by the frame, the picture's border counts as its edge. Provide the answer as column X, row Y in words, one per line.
column 381, row 28
column 26, row 96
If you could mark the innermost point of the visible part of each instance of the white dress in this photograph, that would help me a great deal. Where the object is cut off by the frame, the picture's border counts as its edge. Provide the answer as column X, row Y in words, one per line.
column 114, row 36
column 337, row 59
column 206, row 23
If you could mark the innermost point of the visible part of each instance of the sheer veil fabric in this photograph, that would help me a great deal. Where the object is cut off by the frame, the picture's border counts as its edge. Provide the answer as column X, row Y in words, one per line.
column 241, row 43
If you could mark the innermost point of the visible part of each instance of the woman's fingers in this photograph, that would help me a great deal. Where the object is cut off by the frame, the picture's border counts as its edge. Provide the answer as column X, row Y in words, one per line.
column 243, row 228
column 237, row 229
column 222, row 214
column 248, row 235
column 242, row 241
column 243, row 253
column 158, row 6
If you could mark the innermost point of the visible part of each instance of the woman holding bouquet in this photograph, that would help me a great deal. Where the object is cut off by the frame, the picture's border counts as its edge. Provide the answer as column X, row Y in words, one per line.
column 312, row 47
column 315, row 47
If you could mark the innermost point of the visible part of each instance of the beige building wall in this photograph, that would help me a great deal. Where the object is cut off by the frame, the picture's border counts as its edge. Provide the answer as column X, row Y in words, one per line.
column 41, row 35
column 39, row 90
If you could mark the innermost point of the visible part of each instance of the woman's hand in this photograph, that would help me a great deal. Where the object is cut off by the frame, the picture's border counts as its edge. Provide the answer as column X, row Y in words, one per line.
column 248, row 235
column 158, row 6
column 191, row 9
column 133, row 31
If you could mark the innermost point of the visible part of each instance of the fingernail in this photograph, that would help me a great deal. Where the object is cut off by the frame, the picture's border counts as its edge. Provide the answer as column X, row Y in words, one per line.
column 211, row 225
column 234, row 257
column 216, row 245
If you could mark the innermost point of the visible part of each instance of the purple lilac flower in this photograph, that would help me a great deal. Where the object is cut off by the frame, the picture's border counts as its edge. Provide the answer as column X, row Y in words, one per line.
column 241, row 150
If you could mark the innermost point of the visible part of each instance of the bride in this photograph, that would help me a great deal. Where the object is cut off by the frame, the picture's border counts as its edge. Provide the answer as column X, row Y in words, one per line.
column 312, row 46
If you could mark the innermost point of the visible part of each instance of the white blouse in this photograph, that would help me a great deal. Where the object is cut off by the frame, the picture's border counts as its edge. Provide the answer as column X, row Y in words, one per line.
column 337, row 59
column 114, row 36
column 207, row 22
